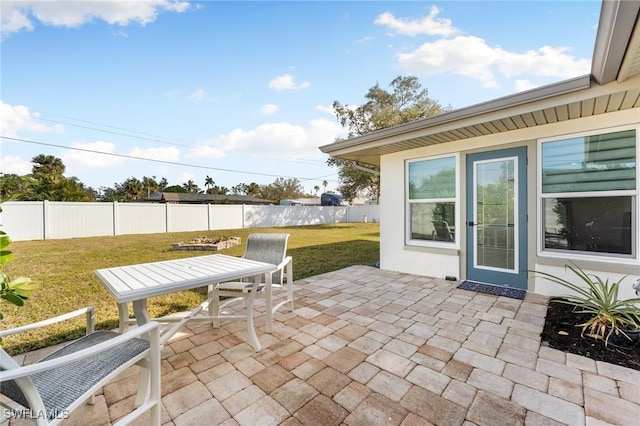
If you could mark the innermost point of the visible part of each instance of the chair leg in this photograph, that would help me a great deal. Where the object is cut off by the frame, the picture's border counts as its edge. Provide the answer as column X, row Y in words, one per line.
column 268, row 302
column 253, row 338
column 143, row 384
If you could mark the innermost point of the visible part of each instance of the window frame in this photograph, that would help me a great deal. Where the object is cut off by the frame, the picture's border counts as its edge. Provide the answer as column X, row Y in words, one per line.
column 455, row 200
column 634, row 194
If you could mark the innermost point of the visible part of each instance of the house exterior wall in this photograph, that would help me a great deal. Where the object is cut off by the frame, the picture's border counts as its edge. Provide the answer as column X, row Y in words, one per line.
column 397, row 255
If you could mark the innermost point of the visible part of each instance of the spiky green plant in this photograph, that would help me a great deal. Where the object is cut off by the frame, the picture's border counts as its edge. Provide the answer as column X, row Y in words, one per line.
column 599, row 298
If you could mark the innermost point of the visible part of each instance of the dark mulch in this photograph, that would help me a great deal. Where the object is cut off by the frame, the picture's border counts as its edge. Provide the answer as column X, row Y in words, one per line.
column 561, row 318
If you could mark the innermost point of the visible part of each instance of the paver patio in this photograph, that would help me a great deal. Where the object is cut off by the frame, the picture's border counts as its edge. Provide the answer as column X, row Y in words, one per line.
column 371, row 347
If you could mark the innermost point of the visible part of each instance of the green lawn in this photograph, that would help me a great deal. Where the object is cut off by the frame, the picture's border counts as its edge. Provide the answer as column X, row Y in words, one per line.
column 64, row 271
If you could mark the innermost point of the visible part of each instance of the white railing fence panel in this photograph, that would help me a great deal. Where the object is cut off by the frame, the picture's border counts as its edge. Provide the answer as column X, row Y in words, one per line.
column 229, row 216
column 187, row 217
column 23, row 220
column 36, row 220
column 140, row 218
column 78, row 219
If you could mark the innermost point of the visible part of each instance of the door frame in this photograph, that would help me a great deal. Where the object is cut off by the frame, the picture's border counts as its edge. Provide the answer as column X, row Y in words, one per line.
column 518, row 278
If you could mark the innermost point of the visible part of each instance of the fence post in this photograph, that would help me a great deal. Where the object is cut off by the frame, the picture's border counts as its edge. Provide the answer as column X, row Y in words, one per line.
column 115, row 218
column 45, row 220
column 166, row 218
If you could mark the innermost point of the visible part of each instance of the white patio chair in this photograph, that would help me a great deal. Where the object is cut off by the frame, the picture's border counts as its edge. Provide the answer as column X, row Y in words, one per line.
column 269, row 248
column 48, row 390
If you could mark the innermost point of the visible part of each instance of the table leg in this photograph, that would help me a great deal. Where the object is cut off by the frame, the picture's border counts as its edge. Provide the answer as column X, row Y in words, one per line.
column 141, row 312
column 250, row 327
column 123, row 315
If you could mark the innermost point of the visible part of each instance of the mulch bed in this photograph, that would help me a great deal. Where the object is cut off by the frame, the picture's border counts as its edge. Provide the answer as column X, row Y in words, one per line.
column 561, row 318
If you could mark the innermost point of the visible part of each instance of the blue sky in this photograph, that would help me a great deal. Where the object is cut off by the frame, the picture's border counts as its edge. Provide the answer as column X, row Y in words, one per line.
column 242, row 91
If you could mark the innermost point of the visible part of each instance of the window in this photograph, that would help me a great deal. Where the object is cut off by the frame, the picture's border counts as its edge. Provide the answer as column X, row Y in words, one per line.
column 589, row 194
column 431, row 200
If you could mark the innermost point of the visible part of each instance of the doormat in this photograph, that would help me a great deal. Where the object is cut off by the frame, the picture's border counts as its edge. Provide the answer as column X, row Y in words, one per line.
column 496, row 290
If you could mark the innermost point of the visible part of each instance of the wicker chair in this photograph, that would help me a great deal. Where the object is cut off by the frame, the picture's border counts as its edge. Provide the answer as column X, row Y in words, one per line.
column 48, row 390
column 269, row 248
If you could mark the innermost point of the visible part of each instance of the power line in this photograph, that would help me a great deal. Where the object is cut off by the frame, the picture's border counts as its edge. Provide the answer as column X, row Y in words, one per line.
column 115, row 133
column 103, row 125
column 149, row 136
column 174, row 163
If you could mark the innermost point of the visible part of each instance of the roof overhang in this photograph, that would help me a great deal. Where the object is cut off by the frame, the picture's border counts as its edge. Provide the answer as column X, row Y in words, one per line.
column 613, row 85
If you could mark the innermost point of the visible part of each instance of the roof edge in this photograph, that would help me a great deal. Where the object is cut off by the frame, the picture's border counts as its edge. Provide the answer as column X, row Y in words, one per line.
column 510, row 101
column 617, row 20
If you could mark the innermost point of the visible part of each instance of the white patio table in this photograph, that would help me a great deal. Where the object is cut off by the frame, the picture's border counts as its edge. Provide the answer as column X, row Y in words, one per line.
column 137, row 283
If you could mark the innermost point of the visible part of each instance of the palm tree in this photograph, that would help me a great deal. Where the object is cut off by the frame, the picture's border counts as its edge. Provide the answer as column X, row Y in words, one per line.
column 150, row 184
column 325, row 183
column 190, row 186
column 316, row 188
column 253, row 189
column 208, row 182
column 47, row 165
column 132, row 188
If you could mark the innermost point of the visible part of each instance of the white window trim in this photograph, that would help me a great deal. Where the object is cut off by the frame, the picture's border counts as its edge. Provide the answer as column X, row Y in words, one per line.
column 407, row 216
column 635, row 208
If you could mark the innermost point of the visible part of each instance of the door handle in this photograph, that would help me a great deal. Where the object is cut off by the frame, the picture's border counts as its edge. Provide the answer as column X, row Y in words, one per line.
column 470, row 224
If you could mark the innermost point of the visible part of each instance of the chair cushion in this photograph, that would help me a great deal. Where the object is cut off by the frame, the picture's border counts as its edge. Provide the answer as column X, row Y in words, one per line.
column 62, row 386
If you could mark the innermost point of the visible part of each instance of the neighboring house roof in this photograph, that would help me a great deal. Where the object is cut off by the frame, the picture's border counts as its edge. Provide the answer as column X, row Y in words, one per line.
column 613, row 85
column 189, row 198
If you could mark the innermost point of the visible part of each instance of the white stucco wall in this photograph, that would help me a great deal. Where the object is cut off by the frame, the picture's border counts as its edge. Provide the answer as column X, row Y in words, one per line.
column 395, row 255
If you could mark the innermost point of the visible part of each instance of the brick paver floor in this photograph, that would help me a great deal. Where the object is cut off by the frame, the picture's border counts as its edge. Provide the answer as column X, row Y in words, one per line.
column 371, row 347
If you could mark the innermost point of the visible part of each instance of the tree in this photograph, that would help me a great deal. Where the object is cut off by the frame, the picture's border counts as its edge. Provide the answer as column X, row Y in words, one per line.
column 12, row 185
column 405, row 103
column 316, row 188
column 209, row 183
column 282, row 189
column 252, row 189
column 324, row 185
column 132, row 188
column 191, row 187
column 47, row 165
column 47, row 182
column 150, row 185
column 174, row 189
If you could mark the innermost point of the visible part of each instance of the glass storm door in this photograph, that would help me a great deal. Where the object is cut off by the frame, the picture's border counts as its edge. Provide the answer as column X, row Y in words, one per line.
column 497, row 217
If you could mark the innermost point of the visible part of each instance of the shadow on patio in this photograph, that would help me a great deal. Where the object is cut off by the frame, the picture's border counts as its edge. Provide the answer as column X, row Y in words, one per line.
column 371, row 347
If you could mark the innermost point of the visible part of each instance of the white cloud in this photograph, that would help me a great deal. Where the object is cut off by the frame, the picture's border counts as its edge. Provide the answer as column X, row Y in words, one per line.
column 523, row 85
column 169, row 153
column 471, row 57
column 14, row 119
column 21, row 15
column 285, row 82
column 198, row 95
column 430, row 24
column 205, row 150
column 83, row 158
column 326, row 108
column 269, row 109
column 364, row 39
column 76, row 159
column 17, row 165
column 172, row 93
column 273, row 140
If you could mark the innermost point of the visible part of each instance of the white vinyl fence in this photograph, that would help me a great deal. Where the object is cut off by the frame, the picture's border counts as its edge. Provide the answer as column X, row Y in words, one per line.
column 38, row 220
